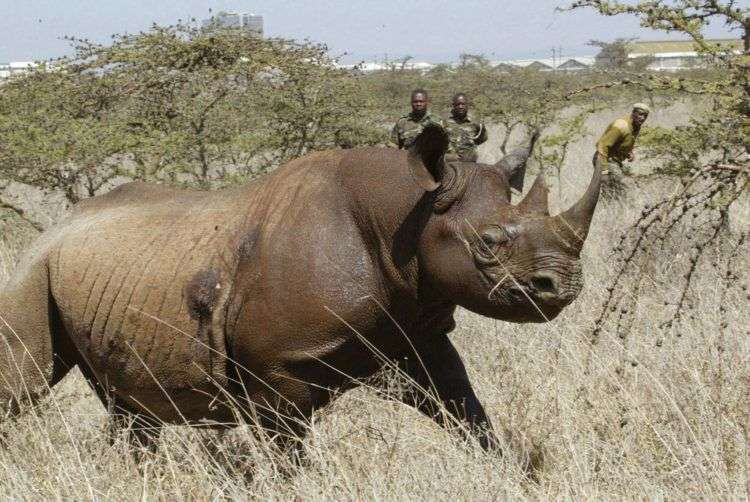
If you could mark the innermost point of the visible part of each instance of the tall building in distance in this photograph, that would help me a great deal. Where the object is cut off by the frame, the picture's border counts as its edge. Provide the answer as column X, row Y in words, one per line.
column 245, row 20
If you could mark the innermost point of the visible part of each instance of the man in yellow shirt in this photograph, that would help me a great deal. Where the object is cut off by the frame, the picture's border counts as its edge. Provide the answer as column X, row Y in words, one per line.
column 617, row 143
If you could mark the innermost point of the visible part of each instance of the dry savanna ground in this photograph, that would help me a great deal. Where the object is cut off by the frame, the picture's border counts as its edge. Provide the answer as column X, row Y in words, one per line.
column 628, row 418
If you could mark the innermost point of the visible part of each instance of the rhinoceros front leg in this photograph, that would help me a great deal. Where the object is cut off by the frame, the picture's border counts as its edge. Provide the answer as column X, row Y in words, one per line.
column 450, row 396
column 440, row 370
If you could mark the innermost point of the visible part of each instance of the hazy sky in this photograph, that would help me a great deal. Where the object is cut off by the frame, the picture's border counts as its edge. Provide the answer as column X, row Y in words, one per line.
column 429, row 30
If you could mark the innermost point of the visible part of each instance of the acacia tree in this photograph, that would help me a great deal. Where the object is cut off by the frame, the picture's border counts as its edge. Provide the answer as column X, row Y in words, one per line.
column 202, row 100
column 615, row 55
column 178, row 103
column 711, row 155
column 389, row 90
column 58, row 134
column 314, row 106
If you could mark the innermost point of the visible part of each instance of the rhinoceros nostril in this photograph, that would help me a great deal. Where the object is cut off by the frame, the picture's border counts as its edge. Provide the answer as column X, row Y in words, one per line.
column 516, row 293
column 544, row 284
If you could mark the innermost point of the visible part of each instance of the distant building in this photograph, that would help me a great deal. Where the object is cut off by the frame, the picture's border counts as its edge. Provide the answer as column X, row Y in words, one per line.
column 576, row 63
column 540, row 65
column 245, row 20
column 673, row 55
column 8, row 69
column 504, row 66
column 372, row 66
column 571, row 64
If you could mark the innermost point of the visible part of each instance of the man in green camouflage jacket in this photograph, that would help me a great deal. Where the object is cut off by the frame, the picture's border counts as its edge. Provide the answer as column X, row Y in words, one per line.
column 409, row 126
column 465, row 132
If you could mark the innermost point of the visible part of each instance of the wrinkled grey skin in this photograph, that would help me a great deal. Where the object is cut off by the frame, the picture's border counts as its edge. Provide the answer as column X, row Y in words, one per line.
column 274, row 296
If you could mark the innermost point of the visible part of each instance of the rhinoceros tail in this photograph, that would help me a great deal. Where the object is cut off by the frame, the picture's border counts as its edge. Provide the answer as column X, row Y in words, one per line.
column 34, row 350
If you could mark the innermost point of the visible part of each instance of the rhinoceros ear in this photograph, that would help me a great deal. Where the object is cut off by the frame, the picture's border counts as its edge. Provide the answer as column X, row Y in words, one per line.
column 426, row 157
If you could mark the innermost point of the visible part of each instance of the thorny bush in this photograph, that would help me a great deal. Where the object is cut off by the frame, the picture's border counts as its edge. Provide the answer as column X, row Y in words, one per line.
column 711, row 155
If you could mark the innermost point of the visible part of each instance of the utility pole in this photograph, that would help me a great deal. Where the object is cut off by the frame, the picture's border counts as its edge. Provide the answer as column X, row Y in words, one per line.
column 556, row 58
column 554, row 66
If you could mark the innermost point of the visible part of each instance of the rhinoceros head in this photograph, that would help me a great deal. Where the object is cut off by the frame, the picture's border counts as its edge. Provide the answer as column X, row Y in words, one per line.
column 511, row 262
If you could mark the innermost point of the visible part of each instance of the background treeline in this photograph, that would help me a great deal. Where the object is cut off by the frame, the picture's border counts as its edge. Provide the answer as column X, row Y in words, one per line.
column 209, row 107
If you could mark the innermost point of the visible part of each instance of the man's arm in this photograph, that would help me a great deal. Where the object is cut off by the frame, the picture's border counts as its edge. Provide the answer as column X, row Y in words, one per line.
column 481, row 135
column 395, row 140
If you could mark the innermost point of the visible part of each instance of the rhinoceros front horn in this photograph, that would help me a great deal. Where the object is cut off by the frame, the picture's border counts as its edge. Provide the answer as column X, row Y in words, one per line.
column 577, row 219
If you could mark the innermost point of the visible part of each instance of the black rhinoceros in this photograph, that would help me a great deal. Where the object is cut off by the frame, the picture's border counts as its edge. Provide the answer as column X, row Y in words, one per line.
column 272, row 296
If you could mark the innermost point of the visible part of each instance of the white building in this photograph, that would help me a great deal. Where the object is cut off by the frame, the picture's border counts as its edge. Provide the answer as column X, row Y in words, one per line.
column 371, row 66
column 673, row 55
column 8, row 69
column 577, row 63
column 245, row 20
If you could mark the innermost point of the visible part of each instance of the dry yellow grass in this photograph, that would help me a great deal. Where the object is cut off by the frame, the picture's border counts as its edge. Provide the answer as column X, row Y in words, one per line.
column 625, row 419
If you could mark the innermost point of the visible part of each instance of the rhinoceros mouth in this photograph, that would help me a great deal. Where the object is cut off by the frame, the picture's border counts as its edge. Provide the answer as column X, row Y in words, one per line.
column 504, row 289
column 497, row 285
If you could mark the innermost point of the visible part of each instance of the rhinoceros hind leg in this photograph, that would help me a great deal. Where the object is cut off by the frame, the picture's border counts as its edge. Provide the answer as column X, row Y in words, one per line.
column 142, row 432
column 35, row 352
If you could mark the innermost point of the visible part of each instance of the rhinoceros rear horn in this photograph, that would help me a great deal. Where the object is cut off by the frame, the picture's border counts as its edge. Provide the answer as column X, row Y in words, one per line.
column 514, row 164
column 426, row 157
column 536, row 200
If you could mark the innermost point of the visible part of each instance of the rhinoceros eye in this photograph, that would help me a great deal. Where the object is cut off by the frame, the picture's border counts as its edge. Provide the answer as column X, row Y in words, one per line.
column 493, row 236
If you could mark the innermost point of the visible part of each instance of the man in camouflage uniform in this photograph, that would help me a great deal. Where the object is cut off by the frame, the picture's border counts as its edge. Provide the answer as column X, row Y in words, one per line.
column 409, row 126
column 616, row 145
column 465, row 132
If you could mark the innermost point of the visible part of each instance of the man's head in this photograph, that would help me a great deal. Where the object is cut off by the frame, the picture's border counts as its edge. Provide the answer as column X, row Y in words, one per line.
column 419, row 101
column 640, row 114
column 460, row 105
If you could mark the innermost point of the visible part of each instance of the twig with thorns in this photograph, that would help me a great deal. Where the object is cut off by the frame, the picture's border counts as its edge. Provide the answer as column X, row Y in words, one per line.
column 701, row 209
